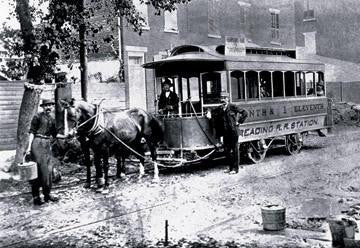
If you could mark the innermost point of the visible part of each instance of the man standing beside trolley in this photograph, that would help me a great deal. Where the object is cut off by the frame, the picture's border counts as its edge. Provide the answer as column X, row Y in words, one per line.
column 42, row 129
column 228, row 117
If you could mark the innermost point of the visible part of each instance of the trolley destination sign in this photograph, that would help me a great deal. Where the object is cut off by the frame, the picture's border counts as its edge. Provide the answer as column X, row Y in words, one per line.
column 261, row 111
column 268, row 129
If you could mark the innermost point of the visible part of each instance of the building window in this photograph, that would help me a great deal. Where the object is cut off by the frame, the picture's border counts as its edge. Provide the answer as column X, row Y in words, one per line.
column 275, row 26
column 171, row 24
column 309, row 15
column 243, row 18
column 244, row 8
column 142, row 8
column 213, row 19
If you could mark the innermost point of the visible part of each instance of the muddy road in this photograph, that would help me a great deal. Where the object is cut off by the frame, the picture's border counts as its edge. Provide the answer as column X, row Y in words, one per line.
column 319, row 182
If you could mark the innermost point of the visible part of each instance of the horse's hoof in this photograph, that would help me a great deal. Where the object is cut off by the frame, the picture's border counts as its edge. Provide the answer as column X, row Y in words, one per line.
column 99, row 190
column 105, row 191
column 100, row 181
column 121, row 176
column 87, row 185
column 156, row 180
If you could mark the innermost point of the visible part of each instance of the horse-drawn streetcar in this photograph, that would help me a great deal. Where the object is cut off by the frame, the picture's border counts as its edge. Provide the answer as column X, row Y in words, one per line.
column 284, row 97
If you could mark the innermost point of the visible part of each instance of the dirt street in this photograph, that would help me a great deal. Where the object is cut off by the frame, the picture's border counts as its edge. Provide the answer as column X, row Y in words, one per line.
column 318, row 183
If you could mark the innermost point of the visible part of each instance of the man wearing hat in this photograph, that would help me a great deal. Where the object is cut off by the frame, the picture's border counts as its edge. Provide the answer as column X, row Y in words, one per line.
column 168, row 101
column 227, row 118
column 41, row 130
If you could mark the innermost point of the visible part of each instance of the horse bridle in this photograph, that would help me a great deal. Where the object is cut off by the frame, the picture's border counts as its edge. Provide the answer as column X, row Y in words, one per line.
column 96, row 128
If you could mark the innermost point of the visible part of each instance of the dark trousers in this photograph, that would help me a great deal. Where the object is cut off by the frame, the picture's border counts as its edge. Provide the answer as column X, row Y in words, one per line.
column 41, row 152
column 232, row 153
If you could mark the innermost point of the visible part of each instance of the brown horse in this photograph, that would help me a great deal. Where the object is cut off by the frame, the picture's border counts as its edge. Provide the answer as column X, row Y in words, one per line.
column 112, row 134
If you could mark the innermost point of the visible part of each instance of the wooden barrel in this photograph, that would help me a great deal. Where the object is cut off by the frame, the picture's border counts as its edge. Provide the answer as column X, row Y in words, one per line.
column 341, row 229
column 28, row 171
column 273, row 217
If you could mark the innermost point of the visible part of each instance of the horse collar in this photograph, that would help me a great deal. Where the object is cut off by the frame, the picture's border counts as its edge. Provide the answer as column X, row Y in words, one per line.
column 97, row 127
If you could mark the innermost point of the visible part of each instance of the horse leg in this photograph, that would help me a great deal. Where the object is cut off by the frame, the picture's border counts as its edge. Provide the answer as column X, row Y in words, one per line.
column 153, row 157
column 120, row 166
column 99, row 173
column 141, row 167
column 106, row 166
column 86, row 150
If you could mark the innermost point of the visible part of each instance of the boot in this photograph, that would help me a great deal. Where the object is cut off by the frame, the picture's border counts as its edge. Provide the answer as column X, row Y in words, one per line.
column 51, row 198
column 38, row 201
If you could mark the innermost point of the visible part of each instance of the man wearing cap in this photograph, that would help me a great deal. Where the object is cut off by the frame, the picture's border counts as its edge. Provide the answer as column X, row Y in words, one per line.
column 41, row 130
column 168, row 101
column 228, row 117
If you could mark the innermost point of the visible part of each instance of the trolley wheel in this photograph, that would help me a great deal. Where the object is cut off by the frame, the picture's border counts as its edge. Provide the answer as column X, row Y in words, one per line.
column 255, row 153
column 293, row 143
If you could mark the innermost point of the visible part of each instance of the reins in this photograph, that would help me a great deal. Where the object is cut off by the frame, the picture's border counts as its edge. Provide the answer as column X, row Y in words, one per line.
column 98, row 128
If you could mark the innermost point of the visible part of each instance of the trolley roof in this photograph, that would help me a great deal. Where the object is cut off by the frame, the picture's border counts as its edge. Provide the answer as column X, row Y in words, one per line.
column 190, row 58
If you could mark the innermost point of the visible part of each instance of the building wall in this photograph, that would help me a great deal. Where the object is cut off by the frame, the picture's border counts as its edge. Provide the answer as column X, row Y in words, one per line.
column 337, row 25
column 193, row 29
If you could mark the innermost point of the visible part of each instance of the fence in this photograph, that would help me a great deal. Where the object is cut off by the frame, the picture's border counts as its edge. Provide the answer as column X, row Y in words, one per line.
column 11, row 93
column 344, row 91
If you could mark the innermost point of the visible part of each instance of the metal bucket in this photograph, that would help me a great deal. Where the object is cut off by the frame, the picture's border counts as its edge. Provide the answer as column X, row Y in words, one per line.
column 341, row 229
column 273, row 217
column 28, row 170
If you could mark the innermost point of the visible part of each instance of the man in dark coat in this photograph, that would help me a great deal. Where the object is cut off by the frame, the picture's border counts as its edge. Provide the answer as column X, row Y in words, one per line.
column 169, row 101
column 42, row 129
column 227, row 118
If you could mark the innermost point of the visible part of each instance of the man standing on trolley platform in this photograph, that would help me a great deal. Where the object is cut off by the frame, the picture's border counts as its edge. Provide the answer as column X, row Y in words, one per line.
column 227, row 118
column 169, row 101
column 42, row 129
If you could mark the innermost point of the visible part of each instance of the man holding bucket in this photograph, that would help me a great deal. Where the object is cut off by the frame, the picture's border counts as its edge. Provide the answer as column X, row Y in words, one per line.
column 41, row 129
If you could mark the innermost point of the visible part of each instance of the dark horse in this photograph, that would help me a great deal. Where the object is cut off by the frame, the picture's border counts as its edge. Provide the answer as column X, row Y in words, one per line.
column 102, row 133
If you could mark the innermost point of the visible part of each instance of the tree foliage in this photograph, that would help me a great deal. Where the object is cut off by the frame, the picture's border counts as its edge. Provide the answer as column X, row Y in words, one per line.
column 56, row 36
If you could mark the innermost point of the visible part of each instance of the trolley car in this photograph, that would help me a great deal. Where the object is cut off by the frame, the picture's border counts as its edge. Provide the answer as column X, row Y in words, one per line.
column 285, row 98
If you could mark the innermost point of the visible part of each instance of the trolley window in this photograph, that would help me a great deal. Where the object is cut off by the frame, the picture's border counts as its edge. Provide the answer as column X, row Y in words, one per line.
column 265, row 85
column 278, row 84
column 289, row 84
column 237, row 85
column 211, row 87
column 300, row 84
column 310, row 78
column 252, row 85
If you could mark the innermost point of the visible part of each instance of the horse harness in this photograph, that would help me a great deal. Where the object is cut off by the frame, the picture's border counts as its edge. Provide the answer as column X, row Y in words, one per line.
column 98, row 126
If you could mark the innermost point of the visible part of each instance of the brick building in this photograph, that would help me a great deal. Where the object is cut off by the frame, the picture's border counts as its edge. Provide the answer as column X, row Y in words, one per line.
column 331, row 28
column 265, row 23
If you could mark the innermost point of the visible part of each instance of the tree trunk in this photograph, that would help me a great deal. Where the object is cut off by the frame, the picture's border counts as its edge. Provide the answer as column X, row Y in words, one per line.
column 83, row 54
column 31, row 97
column 28, row 108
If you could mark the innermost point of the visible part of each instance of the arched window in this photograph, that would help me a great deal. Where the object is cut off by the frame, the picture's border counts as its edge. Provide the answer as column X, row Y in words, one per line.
column 289, row 83
column 265, row 84
column 310, row 83
column 300, row 83
column 278, row 84
column 237, row 85
column 320, row 84
column 252, row 84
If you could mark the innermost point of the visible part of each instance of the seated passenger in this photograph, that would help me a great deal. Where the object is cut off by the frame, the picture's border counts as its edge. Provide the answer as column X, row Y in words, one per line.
column 320, row 91
column 264, row 91
column 169, row 101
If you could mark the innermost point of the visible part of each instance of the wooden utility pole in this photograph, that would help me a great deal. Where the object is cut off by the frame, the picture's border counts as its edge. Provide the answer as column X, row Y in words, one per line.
column 83, row 53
